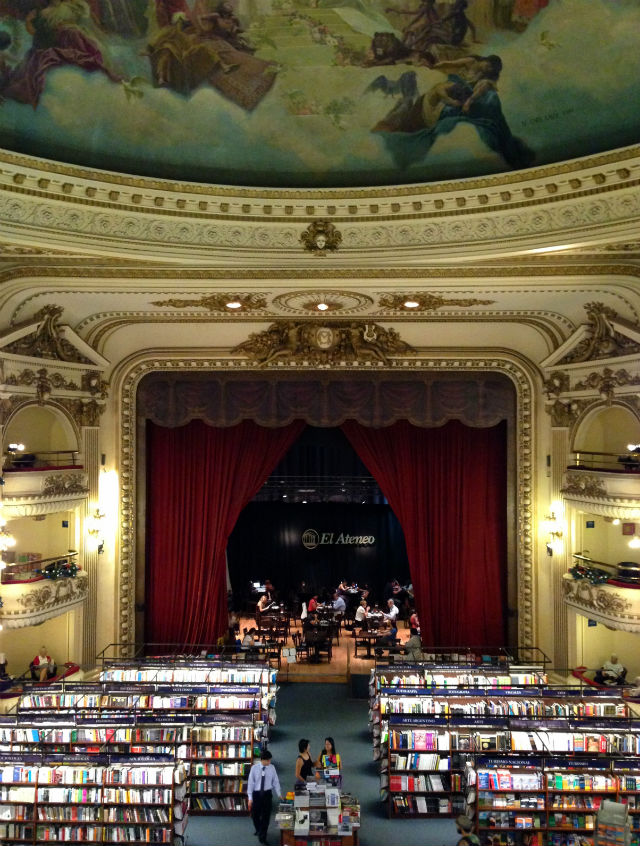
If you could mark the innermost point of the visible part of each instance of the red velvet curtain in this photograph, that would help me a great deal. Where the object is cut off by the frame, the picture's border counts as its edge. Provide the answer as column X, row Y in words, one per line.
column 199, row 478
column 447, row 487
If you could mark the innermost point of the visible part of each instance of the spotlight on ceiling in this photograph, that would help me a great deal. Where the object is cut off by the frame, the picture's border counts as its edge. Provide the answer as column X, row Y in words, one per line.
column 411, row 304
column 322, row 307
column 234, row 304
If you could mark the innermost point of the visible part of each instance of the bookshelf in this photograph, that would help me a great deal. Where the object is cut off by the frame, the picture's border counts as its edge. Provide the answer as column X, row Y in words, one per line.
column 92, row 802
column 514, row 757
column 209, row 715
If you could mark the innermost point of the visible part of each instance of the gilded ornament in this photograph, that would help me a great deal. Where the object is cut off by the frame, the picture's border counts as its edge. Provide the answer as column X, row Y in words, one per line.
column 60, row 484
column 321, row 237
column 602, row 340
column 47, row 340
column 218, row 302
column 584, row 484
column 557, row 383
column 326, row 344
column 426, row 301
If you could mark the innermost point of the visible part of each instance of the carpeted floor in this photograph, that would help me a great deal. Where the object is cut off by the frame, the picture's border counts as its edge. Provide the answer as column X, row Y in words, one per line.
column 314, row 711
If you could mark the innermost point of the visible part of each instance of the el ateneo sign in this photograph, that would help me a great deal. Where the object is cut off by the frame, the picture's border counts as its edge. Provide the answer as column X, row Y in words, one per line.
column 312, row 539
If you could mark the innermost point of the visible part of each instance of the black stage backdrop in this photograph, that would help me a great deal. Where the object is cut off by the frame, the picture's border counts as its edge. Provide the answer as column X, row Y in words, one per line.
column 267, row 543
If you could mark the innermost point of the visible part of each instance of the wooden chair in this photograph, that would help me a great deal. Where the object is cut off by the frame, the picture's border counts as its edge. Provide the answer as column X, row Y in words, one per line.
column 302, row 647
column 325, row 647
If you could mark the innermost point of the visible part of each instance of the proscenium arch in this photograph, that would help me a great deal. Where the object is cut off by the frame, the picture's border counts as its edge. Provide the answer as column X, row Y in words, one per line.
column 521, row 448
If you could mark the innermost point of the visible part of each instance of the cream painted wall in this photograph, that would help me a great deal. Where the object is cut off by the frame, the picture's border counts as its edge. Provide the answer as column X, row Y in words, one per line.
column 604, row 542
column 595, row 644
column 39, row 430
column 58, row 635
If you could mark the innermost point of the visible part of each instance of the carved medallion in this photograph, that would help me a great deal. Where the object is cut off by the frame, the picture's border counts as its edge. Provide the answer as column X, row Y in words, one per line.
column 321, row 237
column 325, row 344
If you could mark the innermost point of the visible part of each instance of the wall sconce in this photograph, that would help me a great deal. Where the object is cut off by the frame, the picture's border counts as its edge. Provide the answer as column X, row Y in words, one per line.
column 13, row 448
column 94, row 530
column 553, row 528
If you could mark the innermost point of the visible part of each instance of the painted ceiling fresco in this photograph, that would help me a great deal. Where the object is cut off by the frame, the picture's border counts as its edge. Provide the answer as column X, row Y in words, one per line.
column 318, row 93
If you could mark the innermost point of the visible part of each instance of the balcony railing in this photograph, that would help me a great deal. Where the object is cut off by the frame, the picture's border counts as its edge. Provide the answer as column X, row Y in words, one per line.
column 18, row 462
column 37, row 569
column 606, row 462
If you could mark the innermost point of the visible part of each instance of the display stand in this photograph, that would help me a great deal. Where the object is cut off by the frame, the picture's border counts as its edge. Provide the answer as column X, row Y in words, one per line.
column 320, row 815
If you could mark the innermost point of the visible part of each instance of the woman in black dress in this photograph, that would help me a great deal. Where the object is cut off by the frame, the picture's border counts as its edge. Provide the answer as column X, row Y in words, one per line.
column 304, row 762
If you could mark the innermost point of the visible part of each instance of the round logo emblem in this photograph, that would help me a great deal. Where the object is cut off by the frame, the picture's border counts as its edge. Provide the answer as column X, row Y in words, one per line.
column 310, row 539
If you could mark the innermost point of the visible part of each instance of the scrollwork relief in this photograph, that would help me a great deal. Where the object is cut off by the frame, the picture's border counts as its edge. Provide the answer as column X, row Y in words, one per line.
column 605, row 602
column 60, row 484
column 606, row 382
column 602, row 341
column 219, row 302
column 84, row 412
column 326, row 344
column 426, row 301
column 584, row 483
column 47, row 341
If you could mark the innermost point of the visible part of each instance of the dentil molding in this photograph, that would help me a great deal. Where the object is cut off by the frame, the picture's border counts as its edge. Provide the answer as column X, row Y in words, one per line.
column 50, row 205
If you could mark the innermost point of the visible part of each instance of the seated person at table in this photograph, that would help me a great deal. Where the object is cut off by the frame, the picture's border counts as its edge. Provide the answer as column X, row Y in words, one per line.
column 390, row 636
column 413, row 647
column 304, row 762
column 343, row 587
column 313, row 604
column 269, row 589
column 263, row 603
column 414, row 622
column 392, row 611
column 612, row 672
column 361, row 614
column 249, row 639
column 339, row 605
column 43, row 666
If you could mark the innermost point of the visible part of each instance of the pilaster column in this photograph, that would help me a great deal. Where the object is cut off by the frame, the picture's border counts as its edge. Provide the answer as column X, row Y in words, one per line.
column 90, row 553
column 559, row 561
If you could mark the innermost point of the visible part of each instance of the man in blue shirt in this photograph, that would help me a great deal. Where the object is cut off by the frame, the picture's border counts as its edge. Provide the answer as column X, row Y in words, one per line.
column 339, row 605
column 263, row 782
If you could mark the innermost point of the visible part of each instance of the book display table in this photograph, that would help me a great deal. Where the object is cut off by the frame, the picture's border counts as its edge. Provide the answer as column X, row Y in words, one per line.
column 319, row 814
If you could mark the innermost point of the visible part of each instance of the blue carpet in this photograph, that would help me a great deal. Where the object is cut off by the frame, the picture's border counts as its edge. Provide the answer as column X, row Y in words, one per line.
column 315, row 711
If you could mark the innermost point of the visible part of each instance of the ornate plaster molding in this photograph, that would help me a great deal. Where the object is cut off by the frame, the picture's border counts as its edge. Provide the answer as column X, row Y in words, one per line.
column 425, row 301
column 584, row 484
column 219, row 302
column 30, row 604
column 36, row 492
column 116, row 214
column 131, row 375
column 618, row 608
column 47, row 340
column 323, row 344
column 602, row 338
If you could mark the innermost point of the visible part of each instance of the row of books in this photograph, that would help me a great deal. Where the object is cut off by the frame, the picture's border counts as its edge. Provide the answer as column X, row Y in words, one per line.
column 422, row 784
column 498, row 707
column 137, row 701
column 420, row 761
column 428, row 678
column 234, row 768
column 222, row 674
column 218, row 785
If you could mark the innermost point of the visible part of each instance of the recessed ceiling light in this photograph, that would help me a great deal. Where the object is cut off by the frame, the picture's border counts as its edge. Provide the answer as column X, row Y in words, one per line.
column 234, row 304
column 411, row 304
column 322, row 306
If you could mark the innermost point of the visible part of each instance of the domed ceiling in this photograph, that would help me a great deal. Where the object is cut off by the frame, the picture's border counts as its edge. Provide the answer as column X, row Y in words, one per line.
column 317, row 93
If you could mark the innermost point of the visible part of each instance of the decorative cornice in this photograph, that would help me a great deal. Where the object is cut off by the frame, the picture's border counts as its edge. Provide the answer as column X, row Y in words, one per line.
column 606, row 381
column 515, row 211
column 32, row 603
column 618, row 608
